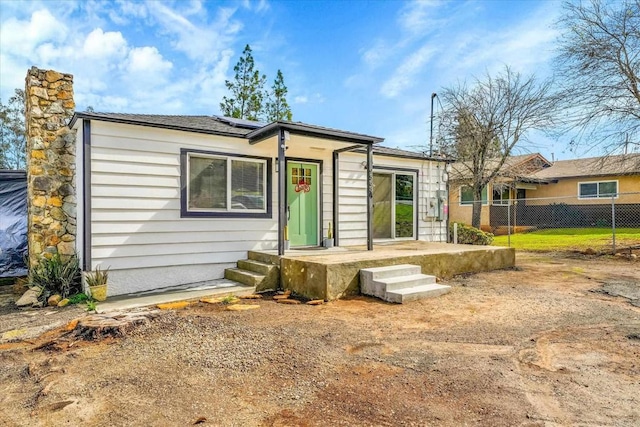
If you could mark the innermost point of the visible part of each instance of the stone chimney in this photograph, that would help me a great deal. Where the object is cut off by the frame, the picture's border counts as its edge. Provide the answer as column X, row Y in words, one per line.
column 51, row 164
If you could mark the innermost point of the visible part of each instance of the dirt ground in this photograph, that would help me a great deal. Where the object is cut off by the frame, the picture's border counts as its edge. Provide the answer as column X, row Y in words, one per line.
column 546, row 344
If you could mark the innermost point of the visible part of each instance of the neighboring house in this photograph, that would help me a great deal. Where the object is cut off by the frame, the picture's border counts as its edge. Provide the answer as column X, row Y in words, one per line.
column 592, row 180
column 532, row 181
column 167, row 200
column 513, row 181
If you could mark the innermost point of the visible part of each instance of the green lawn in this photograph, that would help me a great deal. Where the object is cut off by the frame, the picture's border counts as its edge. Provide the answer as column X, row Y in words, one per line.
column 564, row 239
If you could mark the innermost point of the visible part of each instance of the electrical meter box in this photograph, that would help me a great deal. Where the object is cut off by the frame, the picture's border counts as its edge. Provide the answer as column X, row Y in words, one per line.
column 436, row 206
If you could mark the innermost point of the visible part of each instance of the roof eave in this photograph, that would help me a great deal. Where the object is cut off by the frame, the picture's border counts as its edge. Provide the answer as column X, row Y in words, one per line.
column 90, row 116
column 301, row 129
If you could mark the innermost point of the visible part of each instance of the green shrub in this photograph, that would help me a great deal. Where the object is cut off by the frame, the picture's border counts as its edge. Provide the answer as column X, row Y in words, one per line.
column 78, row 298
column 56, row 275
column 468, row 235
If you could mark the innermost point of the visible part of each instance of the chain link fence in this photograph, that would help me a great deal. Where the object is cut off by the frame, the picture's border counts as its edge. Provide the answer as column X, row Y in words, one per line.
column 601, row 224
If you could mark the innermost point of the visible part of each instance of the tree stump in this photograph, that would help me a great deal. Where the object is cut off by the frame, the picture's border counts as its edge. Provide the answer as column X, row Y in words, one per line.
column 118, row 324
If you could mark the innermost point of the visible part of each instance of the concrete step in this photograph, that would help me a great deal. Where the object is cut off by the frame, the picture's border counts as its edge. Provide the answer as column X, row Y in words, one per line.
column 408, row 281
column 256, row 266
column 249, row 278
column 417, row 292
column 370, row 277
column 377, row 273
column 264, row 257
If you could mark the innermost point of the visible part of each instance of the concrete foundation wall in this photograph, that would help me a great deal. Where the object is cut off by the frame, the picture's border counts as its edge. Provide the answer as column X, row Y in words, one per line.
column 143, row 279
column 331, row 281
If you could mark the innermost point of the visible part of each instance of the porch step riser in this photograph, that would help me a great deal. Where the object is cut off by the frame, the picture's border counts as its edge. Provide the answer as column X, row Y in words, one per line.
column 256, row 266
column 391, row 271
column 370, row 277
column 380, row 288
column 245, row 277
column 265, row 258
column 263, row 276
column 411, row 281
column 417, row 293
column 399, row 284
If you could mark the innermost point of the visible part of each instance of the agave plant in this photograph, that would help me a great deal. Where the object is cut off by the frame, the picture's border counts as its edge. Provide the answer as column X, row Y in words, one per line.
column 98, row 277
column 56, row 275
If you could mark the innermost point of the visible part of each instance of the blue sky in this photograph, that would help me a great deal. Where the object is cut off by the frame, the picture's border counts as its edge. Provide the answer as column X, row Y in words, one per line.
column 363, row 66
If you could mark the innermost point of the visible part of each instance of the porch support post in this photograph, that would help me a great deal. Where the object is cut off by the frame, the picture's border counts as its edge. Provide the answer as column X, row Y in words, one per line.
column 370, row 197
column 282, row 209
column 336, row 197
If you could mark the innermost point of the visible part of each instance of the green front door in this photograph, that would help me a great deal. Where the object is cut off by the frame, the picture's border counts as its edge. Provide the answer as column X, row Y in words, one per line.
column 302, row 203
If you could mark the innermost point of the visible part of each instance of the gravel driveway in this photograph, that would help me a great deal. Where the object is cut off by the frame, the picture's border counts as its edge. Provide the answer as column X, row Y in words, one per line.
column 534, row 346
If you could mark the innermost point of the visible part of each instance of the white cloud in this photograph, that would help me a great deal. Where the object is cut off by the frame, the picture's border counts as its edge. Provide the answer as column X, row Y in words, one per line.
column 147, row 60
column 107, row 46
column 19, row 37
column 523, row 46
column 418, row 16
column 257, row 6
column 300, row 99
column 404, row 75
column 377, row 54
column 202, row 43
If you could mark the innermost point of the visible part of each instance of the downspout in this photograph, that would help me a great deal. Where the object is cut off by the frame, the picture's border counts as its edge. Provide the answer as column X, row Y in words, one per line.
column 431, row 197
column 86, row 195
column 282, row 209
column 447, row 188
column 336, row 198
column 369, row 197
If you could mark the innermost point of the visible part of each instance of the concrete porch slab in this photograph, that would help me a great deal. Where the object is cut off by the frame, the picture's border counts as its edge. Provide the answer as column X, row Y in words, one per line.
column 194, row 291
column 332, row 273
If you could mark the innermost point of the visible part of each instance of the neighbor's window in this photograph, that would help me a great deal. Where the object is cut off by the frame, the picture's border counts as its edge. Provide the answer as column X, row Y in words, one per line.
column 594, row 190
column 466, row 195
column 221, row 184
column 501, row 195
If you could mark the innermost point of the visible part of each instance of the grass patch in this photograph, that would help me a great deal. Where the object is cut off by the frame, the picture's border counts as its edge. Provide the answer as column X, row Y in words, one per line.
column 570, row 239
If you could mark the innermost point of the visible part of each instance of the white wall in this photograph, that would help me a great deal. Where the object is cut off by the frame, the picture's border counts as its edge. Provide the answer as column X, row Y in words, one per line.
column 352, row 193
column 136, row 227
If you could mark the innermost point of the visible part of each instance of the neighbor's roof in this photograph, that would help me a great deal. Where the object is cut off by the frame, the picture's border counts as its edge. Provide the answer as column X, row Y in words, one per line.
column 218, row 125
column 522, row 165
column 623, row 164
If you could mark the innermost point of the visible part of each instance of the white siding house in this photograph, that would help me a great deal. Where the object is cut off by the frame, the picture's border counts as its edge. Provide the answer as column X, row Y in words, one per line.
column 168, row 200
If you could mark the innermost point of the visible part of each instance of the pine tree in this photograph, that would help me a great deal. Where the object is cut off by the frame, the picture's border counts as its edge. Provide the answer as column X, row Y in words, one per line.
column 13, row 138
column 277, row 107
column 245, row 101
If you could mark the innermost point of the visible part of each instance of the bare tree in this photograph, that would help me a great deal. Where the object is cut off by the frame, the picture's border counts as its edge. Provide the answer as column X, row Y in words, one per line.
column 598, row 67
column 485, row 123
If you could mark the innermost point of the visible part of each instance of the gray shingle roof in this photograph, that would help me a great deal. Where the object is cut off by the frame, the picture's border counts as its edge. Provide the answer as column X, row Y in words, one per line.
column 201, row 124
column 522, row 165
column 218, row 125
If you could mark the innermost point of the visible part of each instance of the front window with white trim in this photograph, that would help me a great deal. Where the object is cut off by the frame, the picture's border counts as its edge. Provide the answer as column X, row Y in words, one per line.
column 501, row 195
column 597, row 190
column 226, row 184
column 466, row 195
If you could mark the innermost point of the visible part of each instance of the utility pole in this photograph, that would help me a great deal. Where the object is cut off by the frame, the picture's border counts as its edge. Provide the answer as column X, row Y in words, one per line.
column 433, row 96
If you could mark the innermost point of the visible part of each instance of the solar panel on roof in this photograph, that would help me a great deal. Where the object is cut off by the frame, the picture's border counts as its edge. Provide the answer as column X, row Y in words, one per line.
column 247, row 124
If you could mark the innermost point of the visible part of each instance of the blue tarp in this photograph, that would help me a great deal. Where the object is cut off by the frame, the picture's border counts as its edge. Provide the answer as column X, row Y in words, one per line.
column 13, row 223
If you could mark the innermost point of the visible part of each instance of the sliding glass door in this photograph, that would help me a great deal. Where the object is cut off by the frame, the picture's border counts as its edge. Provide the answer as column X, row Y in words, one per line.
column 394, row 205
